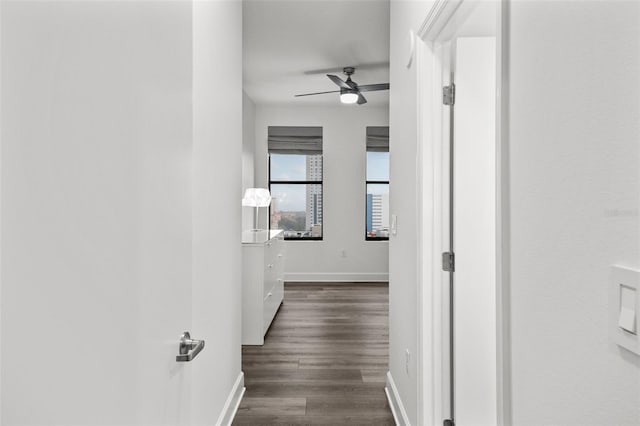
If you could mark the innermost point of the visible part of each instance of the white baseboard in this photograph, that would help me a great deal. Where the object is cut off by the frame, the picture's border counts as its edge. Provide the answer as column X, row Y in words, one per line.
column 349, row 277
column 233, row 402
column 397, row 408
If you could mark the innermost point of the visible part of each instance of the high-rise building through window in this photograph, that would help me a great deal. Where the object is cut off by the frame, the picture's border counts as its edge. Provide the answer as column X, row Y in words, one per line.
column 377, row 214
column 314, row 195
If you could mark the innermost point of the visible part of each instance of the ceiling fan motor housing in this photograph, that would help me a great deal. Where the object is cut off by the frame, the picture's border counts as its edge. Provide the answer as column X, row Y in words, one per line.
column 348, row 70
column 343, row 91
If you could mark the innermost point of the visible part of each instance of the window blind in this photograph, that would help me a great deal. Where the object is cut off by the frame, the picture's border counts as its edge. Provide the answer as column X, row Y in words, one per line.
column 295, row 140
column 378, row 139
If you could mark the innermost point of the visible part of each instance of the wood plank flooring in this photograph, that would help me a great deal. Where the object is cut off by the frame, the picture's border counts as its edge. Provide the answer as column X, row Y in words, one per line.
column 324, row 359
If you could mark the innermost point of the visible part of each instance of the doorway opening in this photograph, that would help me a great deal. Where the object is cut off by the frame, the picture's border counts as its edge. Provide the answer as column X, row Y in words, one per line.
column 316, row 135
column 459, row 63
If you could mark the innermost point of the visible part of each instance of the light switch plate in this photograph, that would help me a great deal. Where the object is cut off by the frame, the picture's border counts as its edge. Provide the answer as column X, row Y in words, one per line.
column 624, row 306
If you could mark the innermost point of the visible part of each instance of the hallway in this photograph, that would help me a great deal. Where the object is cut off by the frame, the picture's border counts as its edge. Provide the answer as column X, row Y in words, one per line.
column 324, row 360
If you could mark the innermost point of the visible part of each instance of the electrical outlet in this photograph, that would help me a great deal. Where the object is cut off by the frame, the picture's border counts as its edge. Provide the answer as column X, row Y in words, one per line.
column 407, row 358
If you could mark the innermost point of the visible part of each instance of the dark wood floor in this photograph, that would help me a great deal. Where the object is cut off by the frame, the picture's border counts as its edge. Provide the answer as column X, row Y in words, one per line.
column 324, row 360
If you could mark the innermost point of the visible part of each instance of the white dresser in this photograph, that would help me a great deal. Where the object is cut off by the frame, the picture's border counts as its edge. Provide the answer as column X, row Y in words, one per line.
column 262, row 282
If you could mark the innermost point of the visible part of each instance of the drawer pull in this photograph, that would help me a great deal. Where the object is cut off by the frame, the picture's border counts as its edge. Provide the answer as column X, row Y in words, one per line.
column 270, row 266
column 280, row 255
column 268, row 243
column 269, row 294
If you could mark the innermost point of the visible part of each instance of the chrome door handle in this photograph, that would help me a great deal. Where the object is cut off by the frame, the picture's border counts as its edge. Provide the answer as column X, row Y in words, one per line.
column 189, row 348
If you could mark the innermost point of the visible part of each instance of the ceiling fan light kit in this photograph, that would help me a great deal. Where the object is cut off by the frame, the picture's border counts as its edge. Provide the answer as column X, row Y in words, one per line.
column 348, row 96
column 350, row 92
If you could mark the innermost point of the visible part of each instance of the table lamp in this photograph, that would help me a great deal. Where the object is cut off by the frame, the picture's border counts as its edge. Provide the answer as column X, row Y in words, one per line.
column 256, row 197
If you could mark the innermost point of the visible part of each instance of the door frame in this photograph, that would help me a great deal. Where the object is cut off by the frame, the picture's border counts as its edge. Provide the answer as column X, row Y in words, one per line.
column 431, row 331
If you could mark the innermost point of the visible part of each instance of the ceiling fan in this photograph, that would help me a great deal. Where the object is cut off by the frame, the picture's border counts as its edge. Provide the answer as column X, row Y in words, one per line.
column 350, row 91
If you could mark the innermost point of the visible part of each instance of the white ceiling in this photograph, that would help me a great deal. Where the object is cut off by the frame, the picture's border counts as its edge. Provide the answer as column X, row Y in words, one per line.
column 286, row 40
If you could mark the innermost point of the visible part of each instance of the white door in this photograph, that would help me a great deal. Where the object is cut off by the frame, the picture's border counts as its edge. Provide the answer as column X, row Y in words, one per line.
column 475, row 232
column 96, row 212
column 469, row 291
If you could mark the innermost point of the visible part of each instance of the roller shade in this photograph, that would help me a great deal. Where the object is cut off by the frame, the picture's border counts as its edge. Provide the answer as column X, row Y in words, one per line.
column 378, row 139
column 295, row 140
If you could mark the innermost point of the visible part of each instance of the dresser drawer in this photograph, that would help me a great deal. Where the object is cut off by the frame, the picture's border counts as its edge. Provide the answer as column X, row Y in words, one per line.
column 272, row 301
column 270, row 277
column 279, row 257
column 271, row 251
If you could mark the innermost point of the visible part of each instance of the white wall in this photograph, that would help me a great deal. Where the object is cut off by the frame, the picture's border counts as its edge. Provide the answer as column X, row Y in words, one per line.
column 217, row 191
column 574, row 173
column 248, row 154
column 403, row 247
column 574, row 166
column 344, row 156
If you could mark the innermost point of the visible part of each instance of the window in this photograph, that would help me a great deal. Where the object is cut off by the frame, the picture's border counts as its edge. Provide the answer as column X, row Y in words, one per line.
column 295, row 181
column 377, row 210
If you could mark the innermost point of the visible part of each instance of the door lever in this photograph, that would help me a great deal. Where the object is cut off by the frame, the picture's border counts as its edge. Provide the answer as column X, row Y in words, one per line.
column 189, row 348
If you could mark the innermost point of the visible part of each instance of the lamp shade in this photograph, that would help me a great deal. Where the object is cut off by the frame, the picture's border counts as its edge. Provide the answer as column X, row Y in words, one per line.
column 256, row 197
column 348, row 96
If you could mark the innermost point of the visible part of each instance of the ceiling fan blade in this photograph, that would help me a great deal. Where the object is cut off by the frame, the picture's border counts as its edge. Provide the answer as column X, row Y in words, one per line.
column 361, row 99
column 338, row 81
column 317, row 93
column 364, row 66
column 373, row 87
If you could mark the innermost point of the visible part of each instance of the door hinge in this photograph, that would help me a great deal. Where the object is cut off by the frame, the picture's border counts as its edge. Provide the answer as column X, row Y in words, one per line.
column 448, row 261
column 448, row 422
column 449, row 94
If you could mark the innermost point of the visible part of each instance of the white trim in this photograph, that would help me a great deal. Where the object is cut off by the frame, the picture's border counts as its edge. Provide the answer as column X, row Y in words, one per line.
column 233, row 402
column 349, row 277
column 437, row 18
column 433, row 376
column 423, row 359
column 1, row 283
column 395, row 402
column 425, row 175
column 503, row 306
